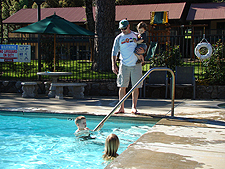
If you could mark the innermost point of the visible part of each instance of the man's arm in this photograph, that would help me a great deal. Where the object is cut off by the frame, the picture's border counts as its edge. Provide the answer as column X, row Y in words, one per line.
column 115, row 51
column 114, row 65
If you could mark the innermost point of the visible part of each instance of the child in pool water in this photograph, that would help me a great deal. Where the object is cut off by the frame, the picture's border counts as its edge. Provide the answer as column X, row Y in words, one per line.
column 82, row 129
column 111, row 146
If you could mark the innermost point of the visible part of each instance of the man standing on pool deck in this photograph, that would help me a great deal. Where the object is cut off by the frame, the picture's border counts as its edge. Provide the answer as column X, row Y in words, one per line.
column 124, row 43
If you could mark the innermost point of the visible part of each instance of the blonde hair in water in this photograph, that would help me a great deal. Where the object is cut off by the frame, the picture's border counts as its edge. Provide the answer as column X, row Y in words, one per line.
column 111, row 146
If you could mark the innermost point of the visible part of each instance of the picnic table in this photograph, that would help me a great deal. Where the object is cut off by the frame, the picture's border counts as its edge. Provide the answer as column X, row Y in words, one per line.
column 54, row 76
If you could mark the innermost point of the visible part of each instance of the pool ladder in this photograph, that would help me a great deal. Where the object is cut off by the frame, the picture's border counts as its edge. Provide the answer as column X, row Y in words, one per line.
column 135, row 86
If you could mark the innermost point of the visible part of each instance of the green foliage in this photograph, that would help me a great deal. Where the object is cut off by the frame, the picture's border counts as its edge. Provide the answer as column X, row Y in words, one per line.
column 15, row 7
column 23, row 3
column 64, row 3
column 170, row 57
column 215, row 65
column 5, row 9
column 26, row 69
column 9, row 8
column 34, row 6
column 71, row 3
column 21, row 70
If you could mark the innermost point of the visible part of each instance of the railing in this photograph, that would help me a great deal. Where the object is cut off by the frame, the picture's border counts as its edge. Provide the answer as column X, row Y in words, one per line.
column 135, row 86
column 73, row 56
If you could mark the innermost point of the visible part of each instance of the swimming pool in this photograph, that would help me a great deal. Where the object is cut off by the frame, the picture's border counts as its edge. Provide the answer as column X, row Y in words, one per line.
column 32, row 140
column 222, row 105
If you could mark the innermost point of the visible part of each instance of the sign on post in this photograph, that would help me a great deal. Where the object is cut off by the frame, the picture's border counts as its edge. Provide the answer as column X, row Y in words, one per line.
column 15, row 53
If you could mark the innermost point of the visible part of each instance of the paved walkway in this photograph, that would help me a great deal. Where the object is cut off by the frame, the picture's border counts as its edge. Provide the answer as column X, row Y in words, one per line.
column 194, row 138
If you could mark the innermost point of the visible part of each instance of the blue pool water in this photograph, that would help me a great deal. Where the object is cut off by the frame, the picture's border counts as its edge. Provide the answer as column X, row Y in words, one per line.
column 31, row 141
column 222, row 105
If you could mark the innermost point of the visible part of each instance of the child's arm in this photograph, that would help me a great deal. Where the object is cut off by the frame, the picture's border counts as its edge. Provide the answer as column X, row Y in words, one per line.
column 139, row 41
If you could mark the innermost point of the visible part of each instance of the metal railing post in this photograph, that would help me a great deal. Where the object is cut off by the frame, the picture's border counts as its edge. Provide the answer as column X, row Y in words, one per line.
column 135, row 86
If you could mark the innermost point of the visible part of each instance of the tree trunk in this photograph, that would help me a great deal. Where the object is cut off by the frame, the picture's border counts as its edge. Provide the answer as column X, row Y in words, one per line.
column 104, row 29
column 1, row 22
column 89, row 15
column 90, row 23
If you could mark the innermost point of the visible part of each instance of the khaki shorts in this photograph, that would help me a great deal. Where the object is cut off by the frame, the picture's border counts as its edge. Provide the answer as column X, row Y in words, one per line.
column 129, row 72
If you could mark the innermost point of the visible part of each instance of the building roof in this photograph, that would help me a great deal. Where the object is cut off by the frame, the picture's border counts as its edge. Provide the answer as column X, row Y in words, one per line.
column 27, row 16
column 142, row 12
column 77, row 14
column 206, row 11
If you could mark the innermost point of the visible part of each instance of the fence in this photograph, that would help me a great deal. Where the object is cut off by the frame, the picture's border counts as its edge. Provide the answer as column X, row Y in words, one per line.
column 76, row 55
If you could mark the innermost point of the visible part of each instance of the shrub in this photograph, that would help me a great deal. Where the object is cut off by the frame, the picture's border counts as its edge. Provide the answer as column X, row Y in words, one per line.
column 215, row 65
column 170, row 57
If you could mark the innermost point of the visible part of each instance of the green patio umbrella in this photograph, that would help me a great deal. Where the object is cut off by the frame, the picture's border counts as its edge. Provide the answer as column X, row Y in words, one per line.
column 56, row 25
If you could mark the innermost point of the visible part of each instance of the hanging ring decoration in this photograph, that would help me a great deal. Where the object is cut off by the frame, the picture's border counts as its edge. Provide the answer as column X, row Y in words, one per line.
column 203, row 45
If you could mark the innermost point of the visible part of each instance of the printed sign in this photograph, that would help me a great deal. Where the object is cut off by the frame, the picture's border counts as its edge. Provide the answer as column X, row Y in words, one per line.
column 15, row 53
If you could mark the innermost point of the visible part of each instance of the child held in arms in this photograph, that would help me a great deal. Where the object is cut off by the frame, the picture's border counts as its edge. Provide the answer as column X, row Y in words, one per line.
column 142, row 41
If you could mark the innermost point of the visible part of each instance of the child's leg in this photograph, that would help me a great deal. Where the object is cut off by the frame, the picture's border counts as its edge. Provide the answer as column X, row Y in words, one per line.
column 140, row 59
column 138, row 56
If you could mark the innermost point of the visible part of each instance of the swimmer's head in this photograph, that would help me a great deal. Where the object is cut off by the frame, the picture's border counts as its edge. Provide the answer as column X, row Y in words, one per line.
column 80, row 122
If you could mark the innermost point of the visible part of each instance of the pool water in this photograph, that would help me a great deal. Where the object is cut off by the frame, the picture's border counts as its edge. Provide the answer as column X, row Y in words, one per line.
column 221, row 105
column 39, row 142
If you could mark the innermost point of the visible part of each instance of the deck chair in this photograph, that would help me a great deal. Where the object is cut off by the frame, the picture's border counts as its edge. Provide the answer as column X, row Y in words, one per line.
column 156, row 79
column 184, row 77
column 151, row 50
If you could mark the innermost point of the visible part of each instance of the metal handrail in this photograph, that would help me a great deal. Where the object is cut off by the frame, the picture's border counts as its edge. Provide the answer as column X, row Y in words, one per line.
column 135, row 86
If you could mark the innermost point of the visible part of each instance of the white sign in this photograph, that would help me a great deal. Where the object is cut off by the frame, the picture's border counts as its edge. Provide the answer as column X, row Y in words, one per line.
column 15, row 53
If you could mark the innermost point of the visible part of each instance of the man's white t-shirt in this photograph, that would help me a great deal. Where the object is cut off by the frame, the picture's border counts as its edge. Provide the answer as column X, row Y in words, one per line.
column 125, row 45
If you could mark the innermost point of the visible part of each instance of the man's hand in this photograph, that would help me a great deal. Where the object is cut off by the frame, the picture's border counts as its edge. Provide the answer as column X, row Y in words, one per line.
column 115, row 69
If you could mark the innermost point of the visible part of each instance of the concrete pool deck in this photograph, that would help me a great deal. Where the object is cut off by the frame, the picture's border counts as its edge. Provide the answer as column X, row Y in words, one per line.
column 193, row 138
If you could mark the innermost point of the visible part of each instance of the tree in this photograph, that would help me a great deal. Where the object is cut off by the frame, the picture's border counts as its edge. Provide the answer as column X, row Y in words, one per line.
column 104, row 29
column 1, row 24
column 23, row 3
column 52, row 3
column 8, row 8
column 89, row 15
column 63, row 3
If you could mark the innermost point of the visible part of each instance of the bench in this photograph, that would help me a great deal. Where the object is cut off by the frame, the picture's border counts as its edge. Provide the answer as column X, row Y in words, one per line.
column 47, row 86
column 75, row 89
column 29, row 89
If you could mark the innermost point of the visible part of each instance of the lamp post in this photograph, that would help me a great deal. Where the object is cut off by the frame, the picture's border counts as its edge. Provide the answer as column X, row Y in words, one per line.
column 39, row 2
